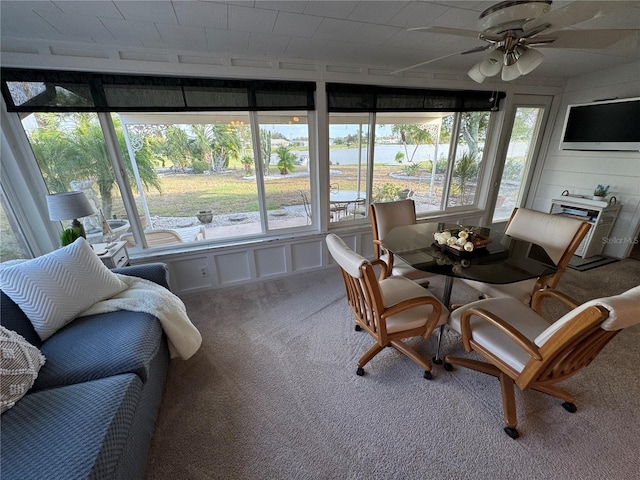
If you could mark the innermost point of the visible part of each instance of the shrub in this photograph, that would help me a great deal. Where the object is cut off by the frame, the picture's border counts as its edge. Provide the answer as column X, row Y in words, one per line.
column 513, row 168
column 199, row 166
column 247, row 163
column 412, row 169
column 387, row 192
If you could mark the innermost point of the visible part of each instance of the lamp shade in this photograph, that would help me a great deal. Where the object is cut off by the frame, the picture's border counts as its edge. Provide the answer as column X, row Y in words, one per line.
column 492, row 63
column 510, row 72
column 529, row 61
column 68, row 206
column 475, row 73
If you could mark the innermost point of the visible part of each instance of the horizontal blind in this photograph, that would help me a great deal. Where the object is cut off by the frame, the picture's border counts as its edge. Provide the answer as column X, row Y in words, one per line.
column 26, row 90
column 370, row 98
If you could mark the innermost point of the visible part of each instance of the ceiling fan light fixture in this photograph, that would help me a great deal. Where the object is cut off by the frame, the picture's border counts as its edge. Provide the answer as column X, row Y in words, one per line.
column 510, row 58
column 492, row 63
column 476, row 74
column 510, row 72
column 529, row 61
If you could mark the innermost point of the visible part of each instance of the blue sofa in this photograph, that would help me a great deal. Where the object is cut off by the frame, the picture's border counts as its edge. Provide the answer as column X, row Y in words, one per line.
column 91, row 412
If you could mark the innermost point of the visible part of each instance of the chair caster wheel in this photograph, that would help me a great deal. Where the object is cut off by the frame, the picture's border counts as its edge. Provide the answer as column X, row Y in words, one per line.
column 448, row 367
column 358, row 328
column 512, row 432
column 570, row 407
column 360, row 371
column 427, row 375
column 436, row 360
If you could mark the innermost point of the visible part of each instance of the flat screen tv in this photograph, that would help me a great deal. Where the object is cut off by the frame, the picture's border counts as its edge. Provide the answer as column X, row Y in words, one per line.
column 607, row 125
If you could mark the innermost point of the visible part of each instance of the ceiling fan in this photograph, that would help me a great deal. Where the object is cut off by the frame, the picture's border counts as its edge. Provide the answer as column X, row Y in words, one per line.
column 512, row 28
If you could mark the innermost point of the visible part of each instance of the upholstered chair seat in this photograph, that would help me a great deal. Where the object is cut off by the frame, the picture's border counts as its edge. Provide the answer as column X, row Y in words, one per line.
column 527, row 322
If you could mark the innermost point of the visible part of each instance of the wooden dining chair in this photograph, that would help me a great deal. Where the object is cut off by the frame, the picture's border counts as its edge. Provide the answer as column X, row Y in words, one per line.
column 389, row 308
column 384, row 217
column 559, row 236
column 522, row 348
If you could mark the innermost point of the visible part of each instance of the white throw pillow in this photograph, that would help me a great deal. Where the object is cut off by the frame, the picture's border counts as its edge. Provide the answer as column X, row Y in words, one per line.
column 53, row 289
column 20, row 363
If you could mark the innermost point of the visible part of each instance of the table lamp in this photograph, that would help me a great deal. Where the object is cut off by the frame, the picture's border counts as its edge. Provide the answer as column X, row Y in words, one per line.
column 69, row 206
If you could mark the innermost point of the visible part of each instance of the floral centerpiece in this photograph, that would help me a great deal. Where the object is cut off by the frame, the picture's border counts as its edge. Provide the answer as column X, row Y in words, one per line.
column 461, row 239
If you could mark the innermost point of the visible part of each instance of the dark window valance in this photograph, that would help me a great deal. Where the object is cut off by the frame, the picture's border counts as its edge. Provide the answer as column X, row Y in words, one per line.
column 61, row 91
column 370, row 98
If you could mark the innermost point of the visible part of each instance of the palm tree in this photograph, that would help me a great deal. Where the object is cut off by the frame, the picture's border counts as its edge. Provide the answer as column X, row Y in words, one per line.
column 411, row 135
column 265, row 150
column 71, row 147
column 466, row 169
column 216, row 145
column 176, row 147
column 286, row 159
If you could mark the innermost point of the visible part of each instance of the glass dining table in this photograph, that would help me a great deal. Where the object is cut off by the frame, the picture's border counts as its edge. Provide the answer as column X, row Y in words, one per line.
column 503, row 260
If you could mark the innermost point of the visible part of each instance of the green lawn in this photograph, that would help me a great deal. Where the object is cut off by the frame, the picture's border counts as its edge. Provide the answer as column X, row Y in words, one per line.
column 228, row 192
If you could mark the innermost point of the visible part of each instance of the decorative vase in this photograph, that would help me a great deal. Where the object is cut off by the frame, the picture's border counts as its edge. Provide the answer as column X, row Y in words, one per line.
column 598, row 197
column 205, row 216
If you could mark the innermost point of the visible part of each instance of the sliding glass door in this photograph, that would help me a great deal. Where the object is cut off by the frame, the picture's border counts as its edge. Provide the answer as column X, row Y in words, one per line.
column 526, row 118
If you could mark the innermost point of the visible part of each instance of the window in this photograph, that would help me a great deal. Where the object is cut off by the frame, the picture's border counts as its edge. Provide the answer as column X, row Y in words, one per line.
column 410, row 161
column 348, row 166
column 207, row 159
column 71, row 154
column 528, row 116
column 12, row 245
column 434, row 158
column 210, row 172
column 427, row 145
column 219, row 160
column 467, row 162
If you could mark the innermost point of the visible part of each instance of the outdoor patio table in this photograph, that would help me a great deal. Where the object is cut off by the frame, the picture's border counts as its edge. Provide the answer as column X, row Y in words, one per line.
column 341, row 199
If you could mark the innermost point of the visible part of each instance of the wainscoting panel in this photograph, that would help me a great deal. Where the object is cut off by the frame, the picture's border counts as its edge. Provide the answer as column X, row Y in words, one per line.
column 233, row 267
column 193, row 273
column 271, row 261
column 306, row 255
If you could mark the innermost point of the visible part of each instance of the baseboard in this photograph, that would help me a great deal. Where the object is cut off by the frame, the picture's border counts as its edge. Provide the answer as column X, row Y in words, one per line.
column 582, row 264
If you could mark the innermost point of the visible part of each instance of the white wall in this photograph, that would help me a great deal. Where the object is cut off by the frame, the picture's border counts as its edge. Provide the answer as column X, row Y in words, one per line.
column 580, row 172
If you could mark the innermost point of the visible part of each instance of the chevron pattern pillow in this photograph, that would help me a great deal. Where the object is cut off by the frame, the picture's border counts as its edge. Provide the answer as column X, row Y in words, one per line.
column 20, row 363
column 53, row 289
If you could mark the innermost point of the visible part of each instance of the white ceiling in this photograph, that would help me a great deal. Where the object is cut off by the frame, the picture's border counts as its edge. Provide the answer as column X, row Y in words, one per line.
column 365, row 33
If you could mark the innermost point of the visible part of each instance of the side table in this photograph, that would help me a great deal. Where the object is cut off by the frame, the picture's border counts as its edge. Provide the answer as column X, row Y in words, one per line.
column 113, row 255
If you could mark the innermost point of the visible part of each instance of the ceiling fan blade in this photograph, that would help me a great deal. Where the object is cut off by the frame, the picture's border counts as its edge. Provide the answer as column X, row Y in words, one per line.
column 582, row 39
column 447, row 31
column 466, row 52
column 576, row 12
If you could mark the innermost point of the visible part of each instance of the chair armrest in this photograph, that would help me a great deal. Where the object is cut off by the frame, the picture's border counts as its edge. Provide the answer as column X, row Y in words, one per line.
column 467, row 334
column 383, row 250
column 384, row 268
column 538, row 296
column 155, row 272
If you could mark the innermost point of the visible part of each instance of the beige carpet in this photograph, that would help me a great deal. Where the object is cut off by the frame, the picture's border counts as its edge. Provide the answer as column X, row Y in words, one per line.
column 273, row 394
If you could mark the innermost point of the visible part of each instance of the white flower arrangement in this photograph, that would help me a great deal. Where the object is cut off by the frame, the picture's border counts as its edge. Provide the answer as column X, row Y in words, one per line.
column 461, row 238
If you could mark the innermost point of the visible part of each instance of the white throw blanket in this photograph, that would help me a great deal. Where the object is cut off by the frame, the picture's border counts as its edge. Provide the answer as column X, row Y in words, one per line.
column 149, row 297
